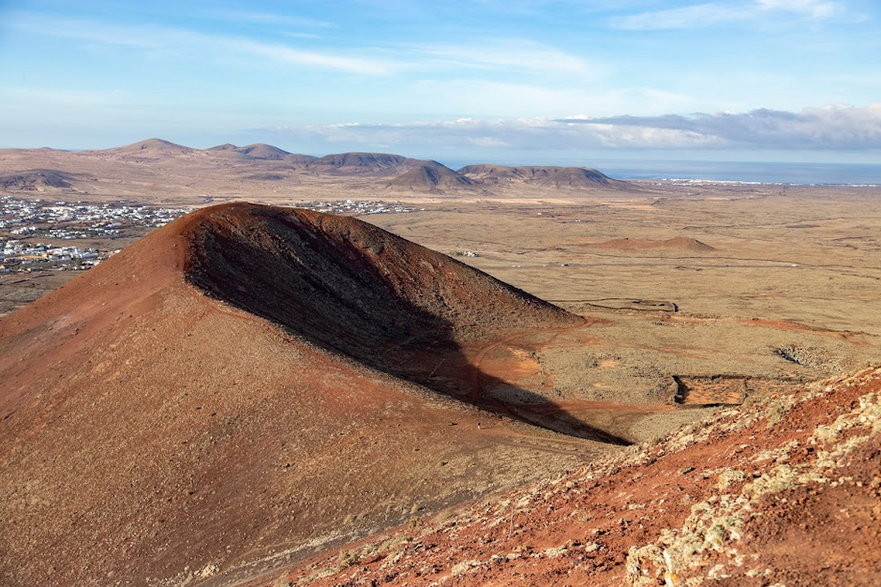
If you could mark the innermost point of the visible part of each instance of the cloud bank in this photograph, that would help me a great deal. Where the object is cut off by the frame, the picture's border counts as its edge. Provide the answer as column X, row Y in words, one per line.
column 833, row 127
column 828, row 127
column 717, row 13
column 503, row 56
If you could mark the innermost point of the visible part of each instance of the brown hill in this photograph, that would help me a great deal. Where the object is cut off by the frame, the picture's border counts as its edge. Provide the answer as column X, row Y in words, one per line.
column 150, row 148
column 349, row 285
column 556, row 177
column 434, row 178
column 678, row 243
column 488, row 173
column 403, row 172
column 783, row 491
column 566, row 176
column 151, row 432
column 37, row 180
column 262, row 151
column 373, row 161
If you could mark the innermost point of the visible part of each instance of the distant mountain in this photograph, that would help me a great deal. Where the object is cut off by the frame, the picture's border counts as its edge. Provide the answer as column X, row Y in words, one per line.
column 162, row 148
column 548, row 176
column 262, row 151
column 372, row 161
column 299, row 158
column 435, row 178
column 488, row 173
column 155, row 168
column 678, row 243
column 37, row 180
column 151, row 148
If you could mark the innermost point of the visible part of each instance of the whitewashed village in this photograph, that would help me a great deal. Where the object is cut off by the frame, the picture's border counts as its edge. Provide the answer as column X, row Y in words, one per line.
column 30, row 229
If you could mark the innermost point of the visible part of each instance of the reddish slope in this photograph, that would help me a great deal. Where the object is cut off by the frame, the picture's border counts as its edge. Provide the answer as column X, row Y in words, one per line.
column 785, row 491
column 348, row 285
column 149, row 431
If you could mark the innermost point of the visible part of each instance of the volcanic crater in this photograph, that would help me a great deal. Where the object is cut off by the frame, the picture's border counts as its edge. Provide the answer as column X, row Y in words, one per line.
column 249, row 383
column 386, row 302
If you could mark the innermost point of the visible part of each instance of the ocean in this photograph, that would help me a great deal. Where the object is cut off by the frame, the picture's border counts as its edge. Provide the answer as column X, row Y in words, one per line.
column 740, row 171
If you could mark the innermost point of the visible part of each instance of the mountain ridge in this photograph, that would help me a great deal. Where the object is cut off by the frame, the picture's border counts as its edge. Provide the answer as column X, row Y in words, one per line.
column 553, row 176
column 147, row 166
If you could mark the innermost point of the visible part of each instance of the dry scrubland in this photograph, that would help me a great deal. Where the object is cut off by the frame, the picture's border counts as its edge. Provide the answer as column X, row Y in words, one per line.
column 683, row 298
column 786, row 294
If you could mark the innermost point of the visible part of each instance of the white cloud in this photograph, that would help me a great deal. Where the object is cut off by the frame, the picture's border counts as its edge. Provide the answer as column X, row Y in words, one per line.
column 833, row 127
column 293, row 56
column 508, row 55
column 826, row 127
column 816, row 9
column 514, row 134
column 504, row 56
column 185, row 42
column 686, row 17
column 550, row 98
column 713, row 13
column 268, row 18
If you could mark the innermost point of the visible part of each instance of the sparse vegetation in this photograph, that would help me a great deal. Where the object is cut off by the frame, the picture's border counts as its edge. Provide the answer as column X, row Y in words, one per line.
column 347, row 558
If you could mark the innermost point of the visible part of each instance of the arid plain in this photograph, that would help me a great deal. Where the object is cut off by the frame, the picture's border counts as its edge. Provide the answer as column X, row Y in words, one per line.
column 685, row 296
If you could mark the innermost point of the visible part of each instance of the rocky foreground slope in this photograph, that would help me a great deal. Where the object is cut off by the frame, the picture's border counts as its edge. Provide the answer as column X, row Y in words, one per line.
column 245, row 385
column 785, row 490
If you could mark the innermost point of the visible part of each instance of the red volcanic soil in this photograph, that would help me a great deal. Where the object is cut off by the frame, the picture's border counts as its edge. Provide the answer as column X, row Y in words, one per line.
column 351, row 286
column 783, row 491
column 243, row 386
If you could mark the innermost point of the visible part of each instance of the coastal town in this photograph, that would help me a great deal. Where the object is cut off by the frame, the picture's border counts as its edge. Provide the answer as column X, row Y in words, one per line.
column 41, row 235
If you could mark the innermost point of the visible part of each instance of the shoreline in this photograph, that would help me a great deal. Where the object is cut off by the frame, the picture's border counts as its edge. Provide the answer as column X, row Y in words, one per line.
column 733, row 182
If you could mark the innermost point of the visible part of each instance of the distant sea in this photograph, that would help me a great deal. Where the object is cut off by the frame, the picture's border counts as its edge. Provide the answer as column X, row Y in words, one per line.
column 789, row 173
column 739, row 171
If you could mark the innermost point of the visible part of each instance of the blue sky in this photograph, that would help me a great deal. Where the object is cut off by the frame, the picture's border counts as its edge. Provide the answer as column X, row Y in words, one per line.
column 485, row 80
